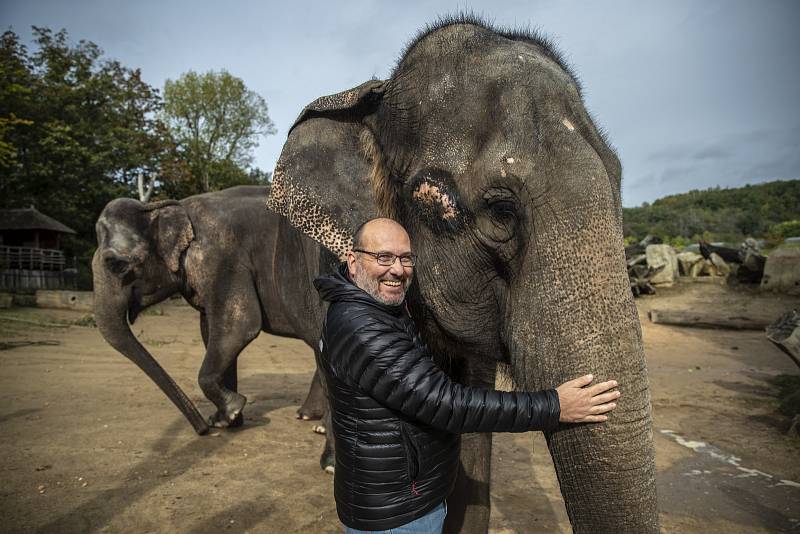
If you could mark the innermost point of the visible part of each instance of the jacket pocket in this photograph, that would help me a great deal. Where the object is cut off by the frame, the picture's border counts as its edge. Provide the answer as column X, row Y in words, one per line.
column 412, row 452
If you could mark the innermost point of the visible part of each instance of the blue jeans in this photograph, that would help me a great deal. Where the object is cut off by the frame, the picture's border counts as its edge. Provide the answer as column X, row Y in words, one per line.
column 431, row 523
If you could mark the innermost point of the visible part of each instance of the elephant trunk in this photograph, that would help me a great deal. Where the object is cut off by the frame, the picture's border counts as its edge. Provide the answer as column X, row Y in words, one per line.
column 582, row 320
column 111, row 310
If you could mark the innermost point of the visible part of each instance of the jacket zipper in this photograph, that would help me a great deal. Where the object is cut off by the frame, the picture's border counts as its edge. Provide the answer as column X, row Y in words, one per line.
column 412, row 457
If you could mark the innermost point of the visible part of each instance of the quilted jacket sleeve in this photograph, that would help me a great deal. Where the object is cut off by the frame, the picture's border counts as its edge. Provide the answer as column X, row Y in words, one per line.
column 386, row 364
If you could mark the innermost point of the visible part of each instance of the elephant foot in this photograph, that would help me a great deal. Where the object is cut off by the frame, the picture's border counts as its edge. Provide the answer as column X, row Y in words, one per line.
column 319, row 429
column 231, row 416
column 328, row 460
column 310, row 411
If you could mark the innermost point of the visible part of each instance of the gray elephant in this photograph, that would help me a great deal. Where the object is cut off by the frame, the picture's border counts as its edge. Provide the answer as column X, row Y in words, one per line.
column 231, row 261
column 480, row 145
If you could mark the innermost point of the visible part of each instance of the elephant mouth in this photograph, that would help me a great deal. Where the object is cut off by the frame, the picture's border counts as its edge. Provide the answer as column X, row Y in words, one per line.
column 135, row 306
column 133, row 312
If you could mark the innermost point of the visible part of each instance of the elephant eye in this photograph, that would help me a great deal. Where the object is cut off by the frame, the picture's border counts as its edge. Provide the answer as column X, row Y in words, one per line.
column 117, row 265
column 503, row 209
column 501, row 203
column 502, row 217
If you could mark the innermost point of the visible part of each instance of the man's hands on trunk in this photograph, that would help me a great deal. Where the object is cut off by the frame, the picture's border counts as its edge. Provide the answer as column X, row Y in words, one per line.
column 581, row 403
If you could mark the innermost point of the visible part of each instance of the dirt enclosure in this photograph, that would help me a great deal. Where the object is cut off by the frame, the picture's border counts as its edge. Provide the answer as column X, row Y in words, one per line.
column 89, row 444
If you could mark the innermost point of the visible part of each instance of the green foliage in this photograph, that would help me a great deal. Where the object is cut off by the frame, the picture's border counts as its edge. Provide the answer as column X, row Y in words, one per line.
column 77, row 129
column 215, row 122
column 786, row 229
column 716, row 214
column 679, row 242
column 87, row 320
column 74, row 130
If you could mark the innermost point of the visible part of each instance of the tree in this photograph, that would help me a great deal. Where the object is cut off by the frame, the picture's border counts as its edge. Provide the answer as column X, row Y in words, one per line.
column 75, row 130
column 215, row 122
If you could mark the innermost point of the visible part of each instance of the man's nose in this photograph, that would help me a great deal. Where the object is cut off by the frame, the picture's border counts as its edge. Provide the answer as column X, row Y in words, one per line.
column 397, row 267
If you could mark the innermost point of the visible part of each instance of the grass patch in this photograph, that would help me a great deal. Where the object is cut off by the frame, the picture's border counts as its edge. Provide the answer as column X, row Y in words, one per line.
column 156, row 342
column 87, row 320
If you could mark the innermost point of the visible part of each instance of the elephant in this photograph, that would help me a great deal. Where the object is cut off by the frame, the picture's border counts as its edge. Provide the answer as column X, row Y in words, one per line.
column 480, row 145
column 230, row 261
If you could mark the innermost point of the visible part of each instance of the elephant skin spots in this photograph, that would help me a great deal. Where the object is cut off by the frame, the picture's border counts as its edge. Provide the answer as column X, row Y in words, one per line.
column 442, row 89
column 431, row 195
column 306, row 214
column 566, row 122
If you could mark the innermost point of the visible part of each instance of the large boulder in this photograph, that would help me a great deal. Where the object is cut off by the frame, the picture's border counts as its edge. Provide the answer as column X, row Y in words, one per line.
column 662, row 256
column 687, row 260
column 722, row 267
column 782, row 271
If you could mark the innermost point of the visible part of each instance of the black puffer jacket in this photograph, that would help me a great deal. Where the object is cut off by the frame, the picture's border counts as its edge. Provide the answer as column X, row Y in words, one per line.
column 396, row 416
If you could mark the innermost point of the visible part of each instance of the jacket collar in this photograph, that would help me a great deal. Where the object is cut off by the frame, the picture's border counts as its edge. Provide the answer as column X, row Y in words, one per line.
column 337, row 287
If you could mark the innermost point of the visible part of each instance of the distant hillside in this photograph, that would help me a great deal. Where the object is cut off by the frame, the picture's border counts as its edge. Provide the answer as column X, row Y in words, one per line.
column 718, row 214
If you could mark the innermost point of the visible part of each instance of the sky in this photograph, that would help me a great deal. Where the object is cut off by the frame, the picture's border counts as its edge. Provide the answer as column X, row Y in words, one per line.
column 692, row 94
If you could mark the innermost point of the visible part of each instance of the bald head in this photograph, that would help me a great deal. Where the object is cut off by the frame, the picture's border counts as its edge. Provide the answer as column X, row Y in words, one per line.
column 380, row 230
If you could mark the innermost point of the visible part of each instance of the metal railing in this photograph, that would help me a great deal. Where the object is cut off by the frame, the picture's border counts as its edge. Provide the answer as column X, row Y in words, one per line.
column 32, row 259
column 30, row 268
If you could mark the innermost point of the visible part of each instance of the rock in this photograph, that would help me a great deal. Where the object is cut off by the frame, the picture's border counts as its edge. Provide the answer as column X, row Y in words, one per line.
column 662, row 255
column 698, row 269
column 782, row 271
column 687, row 261
column 722, row 267
column 636, row 260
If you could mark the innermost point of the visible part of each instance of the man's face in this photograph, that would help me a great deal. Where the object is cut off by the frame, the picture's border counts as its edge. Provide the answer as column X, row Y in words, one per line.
column 386, row 284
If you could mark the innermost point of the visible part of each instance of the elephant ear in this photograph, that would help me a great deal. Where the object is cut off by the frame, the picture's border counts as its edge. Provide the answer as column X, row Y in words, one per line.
column 172, row 231
column 322, row 181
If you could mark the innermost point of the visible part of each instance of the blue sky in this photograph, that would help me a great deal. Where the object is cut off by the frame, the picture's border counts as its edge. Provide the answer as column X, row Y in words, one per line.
column 692, row 94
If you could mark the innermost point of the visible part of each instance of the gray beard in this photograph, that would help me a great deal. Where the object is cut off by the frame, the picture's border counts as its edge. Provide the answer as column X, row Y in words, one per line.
column 372, row 286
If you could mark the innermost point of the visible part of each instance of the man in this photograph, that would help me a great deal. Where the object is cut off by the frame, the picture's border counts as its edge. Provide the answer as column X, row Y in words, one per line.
column 395, row 415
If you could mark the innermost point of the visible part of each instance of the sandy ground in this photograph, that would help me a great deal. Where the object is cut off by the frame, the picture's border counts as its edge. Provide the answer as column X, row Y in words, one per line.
column 88, row 444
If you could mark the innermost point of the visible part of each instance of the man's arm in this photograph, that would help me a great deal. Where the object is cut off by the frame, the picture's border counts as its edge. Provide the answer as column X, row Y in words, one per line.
column 386, row 365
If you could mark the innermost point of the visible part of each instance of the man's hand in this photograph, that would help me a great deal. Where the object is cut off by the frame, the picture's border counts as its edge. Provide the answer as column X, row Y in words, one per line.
column 580, row 404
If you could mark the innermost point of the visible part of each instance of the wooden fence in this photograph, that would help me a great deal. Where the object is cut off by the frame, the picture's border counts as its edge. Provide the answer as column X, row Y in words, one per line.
column 34, row 268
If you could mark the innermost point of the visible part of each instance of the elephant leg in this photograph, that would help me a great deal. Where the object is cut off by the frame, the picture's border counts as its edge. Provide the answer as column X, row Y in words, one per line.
column 231, row 378
column 327, row 460
column 231, row 381
column 229, row 332
column 468, row 506
column 315, row 404
column 204, row 328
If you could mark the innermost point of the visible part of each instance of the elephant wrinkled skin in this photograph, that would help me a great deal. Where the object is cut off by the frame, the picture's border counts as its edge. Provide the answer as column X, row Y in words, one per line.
column 480, row 145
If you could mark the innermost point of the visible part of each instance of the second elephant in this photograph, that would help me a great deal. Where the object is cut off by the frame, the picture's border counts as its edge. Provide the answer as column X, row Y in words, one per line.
column 234, row 263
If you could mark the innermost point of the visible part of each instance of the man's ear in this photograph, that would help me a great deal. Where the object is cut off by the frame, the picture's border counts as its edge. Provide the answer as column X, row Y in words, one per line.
column 325, row 179
column 351, row 263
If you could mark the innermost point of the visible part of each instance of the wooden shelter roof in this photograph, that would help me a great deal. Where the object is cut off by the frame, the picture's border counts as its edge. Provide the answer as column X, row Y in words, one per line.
column 31, row 219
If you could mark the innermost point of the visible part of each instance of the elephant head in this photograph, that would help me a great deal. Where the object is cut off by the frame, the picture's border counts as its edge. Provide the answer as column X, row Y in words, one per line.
column 480, row 145
column 137, row 264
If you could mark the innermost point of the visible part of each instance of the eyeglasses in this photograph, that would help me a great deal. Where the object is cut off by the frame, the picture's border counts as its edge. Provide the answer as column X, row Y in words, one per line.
column 387, row 258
